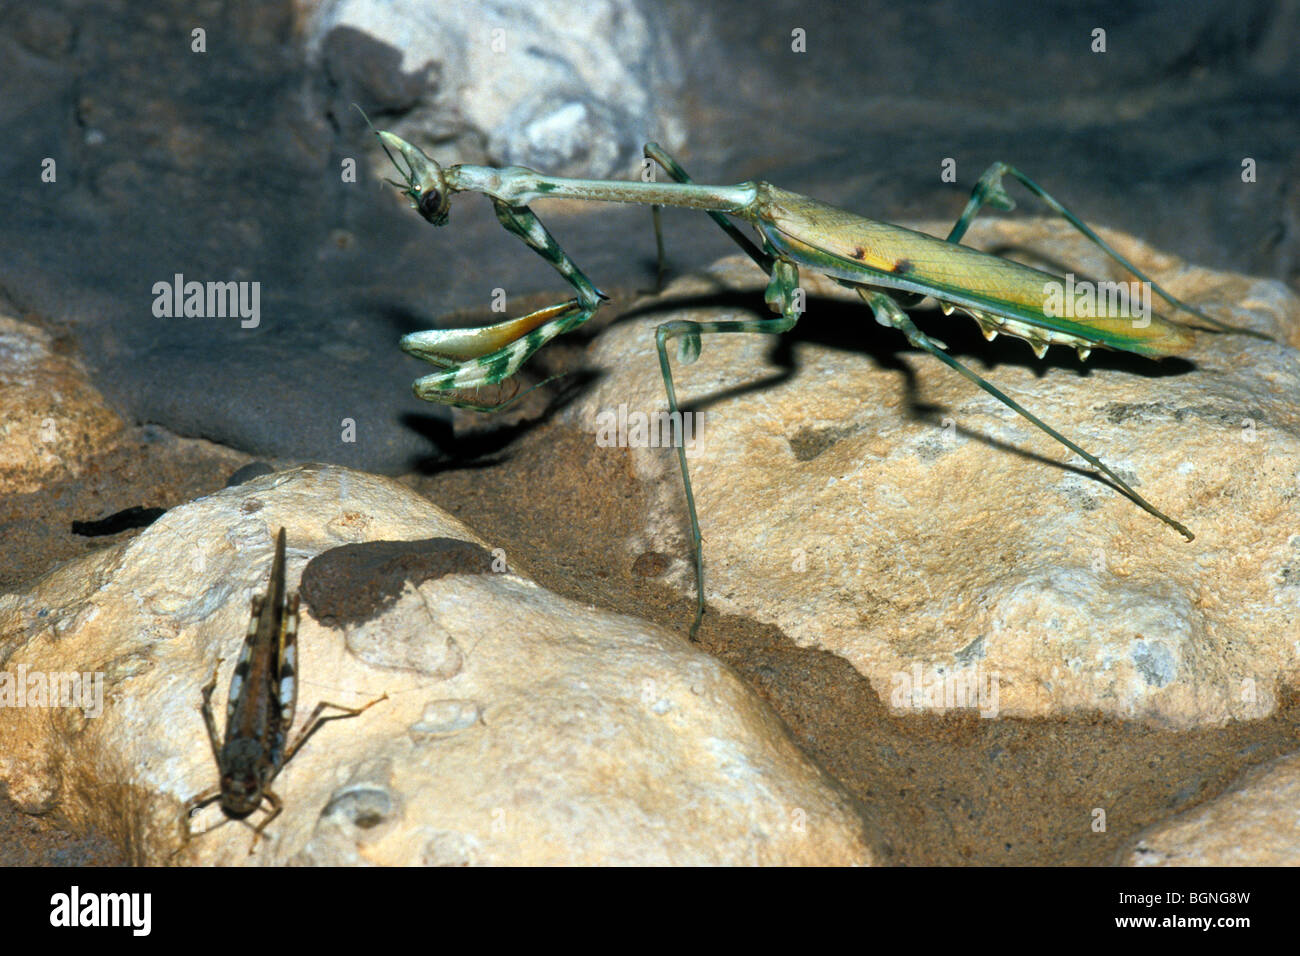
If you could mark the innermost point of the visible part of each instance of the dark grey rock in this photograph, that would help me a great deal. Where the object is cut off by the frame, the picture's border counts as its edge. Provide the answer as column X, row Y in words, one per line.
column 254, row 469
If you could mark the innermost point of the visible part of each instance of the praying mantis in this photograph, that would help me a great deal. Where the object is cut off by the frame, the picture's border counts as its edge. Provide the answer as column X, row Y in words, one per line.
column 890, row 267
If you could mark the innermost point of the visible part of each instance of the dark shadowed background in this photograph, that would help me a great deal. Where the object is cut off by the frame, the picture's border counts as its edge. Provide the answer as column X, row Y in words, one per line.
column 225, row 165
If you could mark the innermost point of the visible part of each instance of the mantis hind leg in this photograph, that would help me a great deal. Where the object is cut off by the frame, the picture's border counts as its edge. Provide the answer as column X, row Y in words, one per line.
column 990, row 191
column 889, row 313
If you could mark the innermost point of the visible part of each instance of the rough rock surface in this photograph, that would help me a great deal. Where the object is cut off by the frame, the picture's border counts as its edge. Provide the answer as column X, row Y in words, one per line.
column 520, row 727
column 51, row 417
column 1254, row 824
column 522, row 83
column 881, row 507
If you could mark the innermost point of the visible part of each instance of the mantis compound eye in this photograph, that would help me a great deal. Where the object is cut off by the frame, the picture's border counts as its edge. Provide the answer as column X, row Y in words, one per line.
column 432, row 206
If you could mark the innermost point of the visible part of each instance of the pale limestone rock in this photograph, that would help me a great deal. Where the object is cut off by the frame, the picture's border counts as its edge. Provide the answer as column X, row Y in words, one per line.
column 536, row 84
column 51, row 417
column 1256, row 823
column 529, row 730
column 959, row 541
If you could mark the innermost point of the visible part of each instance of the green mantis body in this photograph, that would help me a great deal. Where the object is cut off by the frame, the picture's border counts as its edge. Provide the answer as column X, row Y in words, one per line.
column 883, row 263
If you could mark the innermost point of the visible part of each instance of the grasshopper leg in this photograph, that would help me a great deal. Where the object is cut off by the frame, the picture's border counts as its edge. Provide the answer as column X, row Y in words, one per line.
column 492, row 367
column 270, row 797
column 205, row 708
column 195, row 804
column 315, row 721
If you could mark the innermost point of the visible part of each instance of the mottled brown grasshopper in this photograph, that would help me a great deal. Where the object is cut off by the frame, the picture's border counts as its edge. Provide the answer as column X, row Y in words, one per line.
column 260, row 709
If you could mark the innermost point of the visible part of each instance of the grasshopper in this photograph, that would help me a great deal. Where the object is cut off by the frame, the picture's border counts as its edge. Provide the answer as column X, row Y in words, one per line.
column 260, row 709
column 888, row 266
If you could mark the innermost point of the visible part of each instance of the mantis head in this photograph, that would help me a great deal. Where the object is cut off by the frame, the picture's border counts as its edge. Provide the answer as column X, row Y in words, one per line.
column 425, row 185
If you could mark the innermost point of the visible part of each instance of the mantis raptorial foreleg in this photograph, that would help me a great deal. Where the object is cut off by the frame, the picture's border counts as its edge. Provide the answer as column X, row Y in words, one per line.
column 499, row 350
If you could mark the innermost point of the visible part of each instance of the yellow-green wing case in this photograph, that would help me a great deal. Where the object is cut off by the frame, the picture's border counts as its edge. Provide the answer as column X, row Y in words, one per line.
column 863, row 250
